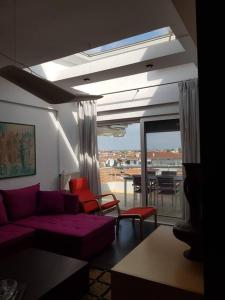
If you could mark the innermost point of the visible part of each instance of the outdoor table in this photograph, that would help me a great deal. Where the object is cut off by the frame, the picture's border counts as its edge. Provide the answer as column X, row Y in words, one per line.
column 150, row 178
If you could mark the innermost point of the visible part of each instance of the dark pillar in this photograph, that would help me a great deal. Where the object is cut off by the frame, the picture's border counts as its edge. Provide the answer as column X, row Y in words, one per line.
column 210, row 29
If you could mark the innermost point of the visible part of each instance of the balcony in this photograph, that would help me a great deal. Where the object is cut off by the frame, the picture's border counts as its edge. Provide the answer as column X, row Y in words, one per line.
column 120, row 182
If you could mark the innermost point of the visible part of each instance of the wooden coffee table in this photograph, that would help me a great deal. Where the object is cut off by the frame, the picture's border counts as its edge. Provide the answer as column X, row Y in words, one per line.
column 47, row 275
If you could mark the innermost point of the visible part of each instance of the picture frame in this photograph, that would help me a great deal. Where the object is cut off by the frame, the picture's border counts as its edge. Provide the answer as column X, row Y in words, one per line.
column 17, row 150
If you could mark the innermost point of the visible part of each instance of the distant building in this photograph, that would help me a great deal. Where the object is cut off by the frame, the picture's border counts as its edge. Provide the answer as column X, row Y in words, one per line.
column 164, row 158
column 129, row 163
column 110, row 162
column 132, row 159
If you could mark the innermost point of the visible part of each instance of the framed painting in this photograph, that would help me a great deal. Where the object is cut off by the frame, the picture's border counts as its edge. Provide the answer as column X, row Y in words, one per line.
column 17, row 150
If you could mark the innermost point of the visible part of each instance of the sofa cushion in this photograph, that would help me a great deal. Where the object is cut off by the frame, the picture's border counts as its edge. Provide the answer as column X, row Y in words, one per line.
column 80, row 225
column 79, row 235
column 50, row 202
column 71, row 204
column 3, row 215
column 21, row 203
column 10, row 234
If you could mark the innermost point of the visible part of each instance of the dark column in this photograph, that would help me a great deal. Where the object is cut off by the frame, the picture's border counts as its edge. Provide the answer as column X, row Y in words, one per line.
column 210, row 29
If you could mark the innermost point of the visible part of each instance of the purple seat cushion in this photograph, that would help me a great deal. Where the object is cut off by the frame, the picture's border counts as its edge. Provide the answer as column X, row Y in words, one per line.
column 10, row 234
column 50, row 202
column 3, row 215
column 88, row 234
column 21, row 203
column 71, row 204
column 79, row 225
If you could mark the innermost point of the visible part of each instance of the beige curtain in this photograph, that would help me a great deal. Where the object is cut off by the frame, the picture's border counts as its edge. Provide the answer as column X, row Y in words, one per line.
column 189, row 127
column 189, row 121
column 88, row 147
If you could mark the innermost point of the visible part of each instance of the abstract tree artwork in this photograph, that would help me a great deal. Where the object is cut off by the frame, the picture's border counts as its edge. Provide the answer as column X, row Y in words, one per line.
column 17, row 150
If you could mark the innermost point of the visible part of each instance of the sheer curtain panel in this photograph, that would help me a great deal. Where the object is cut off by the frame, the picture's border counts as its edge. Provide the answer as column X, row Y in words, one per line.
column 88, row 148
column 189, row 126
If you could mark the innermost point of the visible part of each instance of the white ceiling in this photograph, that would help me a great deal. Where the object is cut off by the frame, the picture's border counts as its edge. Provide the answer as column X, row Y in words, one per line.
column 51, row 29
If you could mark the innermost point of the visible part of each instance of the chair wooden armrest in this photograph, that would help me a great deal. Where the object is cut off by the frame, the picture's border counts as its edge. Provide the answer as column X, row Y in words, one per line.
column 105, row 195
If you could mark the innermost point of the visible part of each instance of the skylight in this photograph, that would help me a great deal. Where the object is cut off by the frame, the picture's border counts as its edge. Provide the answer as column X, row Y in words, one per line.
column 134, row 40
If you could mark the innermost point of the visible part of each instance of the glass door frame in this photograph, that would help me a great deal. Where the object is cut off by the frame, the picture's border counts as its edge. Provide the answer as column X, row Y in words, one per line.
column 144, row 152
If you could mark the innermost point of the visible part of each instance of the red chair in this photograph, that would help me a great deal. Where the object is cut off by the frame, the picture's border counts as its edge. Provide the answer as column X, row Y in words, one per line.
column 90, row 202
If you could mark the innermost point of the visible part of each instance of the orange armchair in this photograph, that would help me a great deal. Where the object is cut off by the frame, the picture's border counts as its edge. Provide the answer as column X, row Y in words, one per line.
column 90, row 202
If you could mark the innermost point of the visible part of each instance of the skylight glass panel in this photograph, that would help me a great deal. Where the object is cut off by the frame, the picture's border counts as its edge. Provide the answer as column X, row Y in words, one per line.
column 136, row 39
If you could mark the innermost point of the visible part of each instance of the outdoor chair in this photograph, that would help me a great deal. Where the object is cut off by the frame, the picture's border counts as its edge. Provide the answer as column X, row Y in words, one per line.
column 151, row 176
column 169, row 173
column 89, row 202
column 166, row 185
column 137, row 188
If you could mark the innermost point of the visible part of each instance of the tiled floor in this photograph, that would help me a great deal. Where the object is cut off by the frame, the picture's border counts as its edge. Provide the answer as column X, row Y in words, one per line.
column 100, row 265
column 127, row 239
column 99, row 285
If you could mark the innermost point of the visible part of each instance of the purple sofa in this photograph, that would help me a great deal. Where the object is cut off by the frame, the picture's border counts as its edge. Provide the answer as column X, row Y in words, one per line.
column 51, row 220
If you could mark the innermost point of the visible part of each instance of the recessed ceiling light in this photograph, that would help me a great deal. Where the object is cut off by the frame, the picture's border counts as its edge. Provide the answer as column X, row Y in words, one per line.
column 41, row 87
column 149, row 66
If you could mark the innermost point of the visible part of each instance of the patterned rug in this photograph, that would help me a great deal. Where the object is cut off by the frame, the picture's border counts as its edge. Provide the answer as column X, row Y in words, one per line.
column 99, row 285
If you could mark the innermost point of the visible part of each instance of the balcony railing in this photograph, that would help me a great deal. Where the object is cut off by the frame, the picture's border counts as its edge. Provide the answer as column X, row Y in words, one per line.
column 113, row 180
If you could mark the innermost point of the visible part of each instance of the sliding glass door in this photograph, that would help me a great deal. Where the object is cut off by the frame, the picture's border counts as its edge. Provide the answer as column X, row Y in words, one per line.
column 162, row 167
column 141, row 163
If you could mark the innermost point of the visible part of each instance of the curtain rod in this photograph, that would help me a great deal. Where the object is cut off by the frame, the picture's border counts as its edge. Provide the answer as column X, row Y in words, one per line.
column 145, row 87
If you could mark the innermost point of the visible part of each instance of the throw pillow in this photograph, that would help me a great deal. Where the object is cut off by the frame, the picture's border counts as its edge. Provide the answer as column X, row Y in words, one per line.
column 21, row 203
column 3, row 215
column 50, row 202
column 71, row 204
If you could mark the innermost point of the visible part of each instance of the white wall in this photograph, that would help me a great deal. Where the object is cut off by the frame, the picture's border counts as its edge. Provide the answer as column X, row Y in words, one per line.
column 68, row 146
column 53, row 145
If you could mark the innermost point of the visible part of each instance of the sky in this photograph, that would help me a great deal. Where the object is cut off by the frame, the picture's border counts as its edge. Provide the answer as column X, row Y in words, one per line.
column 129, row 41
column 131, row 141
